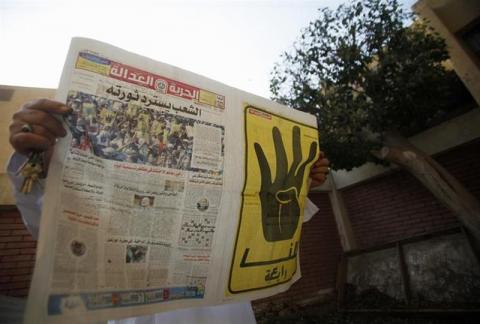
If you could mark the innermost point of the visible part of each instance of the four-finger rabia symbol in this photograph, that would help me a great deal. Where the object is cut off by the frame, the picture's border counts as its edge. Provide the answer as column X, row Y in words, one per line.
column 279, row 198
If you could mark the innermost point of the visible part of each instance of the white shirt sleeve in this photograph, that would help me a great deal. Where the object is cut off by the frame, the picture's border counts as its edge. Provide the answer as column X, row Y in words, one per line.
column 240, row 313
column 310, row 210
column 30, row 205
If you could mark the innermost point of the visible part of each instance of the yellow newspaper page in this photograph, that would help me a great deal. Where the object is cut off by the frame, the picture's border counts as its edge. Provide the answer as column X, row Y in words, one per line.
column 279, row 154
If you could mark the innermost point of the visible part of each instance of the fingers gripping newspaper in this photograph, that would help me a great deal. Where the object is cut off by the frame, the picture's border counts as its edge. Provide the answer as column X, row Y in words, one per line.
column 170, row 191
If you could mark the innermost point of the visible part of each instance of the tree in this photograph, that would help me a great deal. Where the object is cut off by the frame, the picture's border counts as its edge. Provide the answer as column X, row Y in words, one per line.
column 372, row 81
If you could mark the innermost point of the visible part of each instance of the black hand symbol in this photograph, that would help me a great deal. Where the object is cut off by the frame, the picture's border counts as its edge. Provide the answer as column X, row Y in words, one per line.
column 279, row 199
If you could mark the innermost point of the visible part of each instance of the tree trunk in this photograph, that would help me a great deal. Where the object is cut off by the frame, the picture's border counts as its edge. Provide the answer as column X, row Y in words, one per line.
column 437, row 179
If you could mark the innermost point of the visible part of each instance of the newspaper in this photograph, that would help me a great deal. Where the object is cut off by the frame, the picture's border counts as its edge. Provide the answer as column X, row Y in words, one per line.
column 170, row 191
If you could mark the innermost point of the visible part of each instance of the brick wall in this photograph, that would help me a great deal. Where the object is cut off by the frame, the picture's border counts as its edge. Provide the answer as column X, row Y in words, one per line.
column 397, row 205
column 320, row 252
column 17, row 254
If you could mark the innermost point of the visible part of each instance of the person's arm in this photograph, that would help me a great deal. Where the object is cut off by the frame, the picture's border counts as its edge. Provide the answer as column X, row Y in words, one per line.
column 34, row 128
column 29, row 205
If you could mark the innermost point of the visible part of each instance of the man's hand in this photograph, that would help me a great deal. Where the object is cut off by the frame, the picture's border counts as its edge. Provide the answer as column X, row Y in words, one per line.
column 35, row 129
column 319, row 171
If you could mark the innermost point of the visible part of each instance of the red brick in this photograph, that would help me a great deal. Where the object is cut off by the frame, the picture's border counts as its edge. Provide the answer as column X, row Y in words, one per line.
column 5, row 232
column 20, row 232
column 28, row 238
column 22, row 278
column 15, row 271
column 21, row 245
column 7, row 265
column 12, row 226
column 9, row 252
column 10, row 238
column 18, row 292
column 7, row 220
column 15, row 285
column 26, row 264
column 29, row 251
column 5, row 279
column 10, row 258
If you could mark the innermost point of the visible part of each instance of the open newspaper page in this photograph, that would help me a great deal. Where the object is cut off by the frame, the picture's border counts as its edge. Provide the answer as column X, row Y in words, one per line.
column 170, row 191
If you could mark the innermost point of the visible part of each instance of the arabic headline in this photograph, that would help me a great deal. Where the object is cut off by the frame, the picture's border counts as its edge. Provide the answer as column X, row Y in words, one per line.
column 148, row 101
column 94, row 63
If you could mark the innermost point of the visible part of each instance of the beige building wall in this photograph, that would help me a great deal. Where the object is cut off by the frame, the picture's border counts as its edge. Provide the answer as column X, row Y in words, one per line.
column 11, row 99
column 450, row 18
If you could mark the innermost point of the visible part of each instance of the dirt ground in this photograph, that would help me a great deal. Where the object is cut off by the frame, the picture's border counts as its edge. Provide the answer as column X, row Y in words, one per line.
column 327, row 313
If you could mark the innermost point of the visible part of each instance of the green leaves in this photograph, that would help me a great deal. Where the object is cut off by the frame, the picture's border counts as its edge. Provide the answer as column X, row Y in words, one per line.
column 362, row 71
